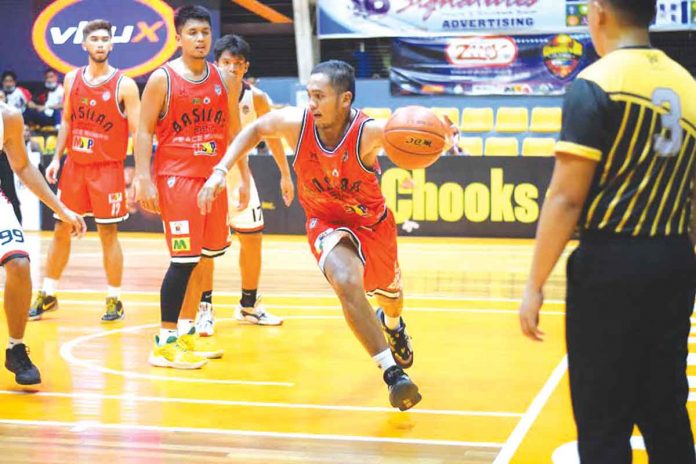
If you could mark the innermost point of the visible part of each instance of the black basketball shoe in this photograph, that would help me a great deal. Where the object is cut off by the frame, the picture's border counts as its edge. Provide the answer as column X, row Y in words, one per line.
column 403, row 393
column 17, row 361
column 399, row 342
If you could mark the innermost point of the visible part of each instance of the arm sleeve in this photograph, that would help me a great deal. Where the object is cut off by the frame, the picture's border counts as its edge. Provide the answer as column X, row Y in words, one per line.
column 585, row 109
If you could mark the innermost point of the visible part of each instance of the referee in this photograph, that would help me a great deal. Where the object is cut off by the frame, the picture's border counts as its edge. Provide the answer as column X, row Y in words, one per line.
column 624, row 174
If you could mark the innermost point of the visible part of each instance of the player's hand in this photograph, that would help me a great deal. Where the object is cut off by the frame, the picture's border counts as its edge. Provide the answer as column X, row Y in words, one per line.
column 529, row 313
column 52, row 171
column 244, row 191
column 76, row 222
column 146, row 194
column 212, row 187
column 287, row 189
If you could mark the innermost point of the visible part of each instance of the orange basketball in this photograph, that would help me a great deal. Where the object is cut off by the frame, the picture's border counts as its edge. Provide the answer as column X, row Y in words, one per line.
column 414, row 137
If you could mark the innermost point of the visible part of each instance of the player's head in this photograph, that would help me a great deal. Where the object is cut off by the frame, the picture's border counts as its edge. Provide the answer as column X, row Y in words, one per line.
column 194, row 30
column 96, row 40
column 331, row 90
column 9, row 81
column 232, row 55
column 607, row 18
column 50, row 78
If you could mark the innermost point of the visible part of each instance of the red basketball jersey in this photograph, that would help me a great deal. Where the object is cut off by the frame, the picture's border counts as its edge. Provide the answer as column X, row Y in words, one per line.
column 98, row 127
column 193, row 135
column 334, row 185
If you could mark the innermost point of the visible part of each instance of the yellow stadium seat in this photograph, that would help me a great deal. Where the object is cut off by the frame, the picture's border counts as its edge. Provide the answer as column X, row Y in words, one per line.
column 471, row 146
column 129, row 150
column 538, row 146
column 378, row 113
column 477, row 120
column 39, row 141
column 51, row 144
column 512, row 119
column 502, row 146
column 451, row 113
column 546, row 119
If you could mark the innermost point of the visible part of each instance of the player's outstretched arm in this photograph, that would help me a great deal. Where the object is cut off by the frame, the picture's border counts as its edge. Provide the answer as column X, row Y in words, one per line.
column 63, row 130
column 152, row 106
column 30, row 176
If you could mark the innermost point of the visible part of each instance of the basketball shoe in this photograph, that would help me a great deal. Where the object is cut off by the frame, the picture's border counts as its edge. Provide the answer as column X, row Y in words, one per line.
column 257, row 315
column 205, row 348
column 17, row 361
column 42, row 304
column 114, row 310
column 403, row 393
column 205, row 320
column 399, row 342
column 175, row 355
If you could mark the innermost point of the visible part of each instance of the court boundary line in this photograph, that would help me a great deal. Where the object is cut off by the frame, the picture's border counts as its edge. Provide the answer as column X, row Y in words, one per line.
column 260, row 404
column 530, row 416
column 81, row 426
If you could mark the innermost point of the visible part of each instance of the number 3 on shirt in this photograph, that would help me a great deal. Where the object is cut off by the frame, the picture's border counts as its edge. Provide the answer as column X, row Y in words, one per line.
column 668, row 143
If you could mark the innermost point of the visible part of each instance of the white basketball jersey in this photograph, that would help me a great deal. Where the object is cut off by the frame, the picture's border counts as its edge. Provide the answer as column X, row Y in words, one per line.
column 247, row 111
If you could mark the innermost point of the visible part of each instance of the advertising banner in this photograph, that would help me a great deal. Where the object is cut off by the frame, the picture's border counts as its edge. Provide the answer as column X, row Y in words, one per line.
column 456, row 197
column 489, row 65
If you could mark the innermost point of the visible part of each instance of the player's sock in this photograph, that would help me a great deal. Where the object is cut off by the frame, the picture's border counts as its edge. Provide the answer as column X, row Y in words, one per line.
column 173, row 290
column 113, row 292
column 384, row 360
column 184, row 326
column 166, row 334
column 49, row 286
column 207, row 297
column 248, row 298
column 392, row 323
column 13, row 342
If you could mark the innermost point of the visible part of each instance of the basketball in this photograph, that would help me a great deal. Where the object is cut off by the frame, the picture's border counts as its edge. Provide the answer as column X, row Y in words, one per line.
column 414, row 137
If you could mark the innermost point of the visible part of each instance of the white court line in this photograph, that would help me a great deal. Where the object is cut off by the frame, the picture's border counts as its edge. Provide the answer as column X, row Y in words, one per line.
column 256, row 404
column 66, row 353
column 83, row 426
column 523, row 426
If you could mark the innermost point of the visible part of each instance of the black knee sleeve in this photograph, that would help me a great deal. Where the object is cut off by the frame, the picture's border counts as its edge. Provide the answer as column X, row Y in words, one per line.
column 173, row 290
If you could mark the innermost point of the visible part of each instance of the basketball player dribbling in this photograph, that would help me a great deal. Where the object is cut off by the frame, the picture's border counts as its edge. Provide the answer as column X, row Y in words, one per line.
column 101, row 107
column 193, row 109
column 351, row 232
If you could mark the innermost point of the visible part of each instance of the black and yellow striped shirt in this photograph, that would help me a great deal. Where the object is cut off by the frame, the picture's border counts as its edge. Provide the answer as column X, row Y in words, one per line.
column 634, row 112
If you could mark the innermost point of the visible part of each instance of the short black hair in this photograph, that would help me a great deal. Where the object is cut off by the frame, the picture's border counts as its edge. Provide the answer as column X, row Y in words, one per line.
column 12, row 74
column 50, row 70
column 189, row 12
column 233, row 44
column 97, row 25
column 637, row 12
column 341, row 75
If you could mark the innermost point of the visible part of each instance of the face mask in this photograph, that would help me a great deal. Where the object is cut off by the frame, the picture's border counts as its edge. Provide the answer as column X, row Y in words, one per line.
column 51, row 85
column 9, row 89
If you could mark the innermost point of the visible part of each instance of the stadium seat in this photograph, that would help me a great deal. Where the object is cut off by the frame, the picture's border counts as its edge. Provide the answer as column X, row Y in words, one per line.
column 538, row 146
column 51, row 144
column 477, row 120
column 451, row 113
column 502, row 146
column 377, row 113
column 40, row 141
column 546, row 120
column 471, row 146
column 511, row 119
column 129, row 150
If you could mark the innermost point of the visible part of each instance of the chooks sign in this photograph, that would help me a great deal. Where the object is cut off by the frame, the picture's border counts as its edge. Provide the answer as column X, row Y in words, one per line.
column 143, row 33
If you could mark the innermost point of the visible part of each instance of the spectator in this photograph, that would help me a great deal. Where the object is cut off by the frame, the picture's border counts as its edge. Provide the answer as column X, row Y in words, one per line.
column 14, row 95
column 45, row 109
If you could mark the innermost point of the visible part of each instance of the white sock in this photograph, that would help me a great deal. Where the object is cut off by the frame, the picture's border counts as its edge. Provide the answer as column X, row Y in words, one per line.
column 113, row 292
column 49, row 286
column 165, row 334
column 384, row 360
column 13, row 342
column 184, row 326
column 392, row 322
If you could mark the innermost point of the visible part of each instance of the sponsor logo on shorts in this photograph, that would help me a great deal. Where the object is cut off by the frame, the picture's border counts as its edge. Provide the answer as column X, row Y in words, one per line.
column 116, row 197
column 312, row 223
column 179, row 227
column 205, row 149
column 319, row 242
column 180, row 244
column 171, row 181
column 83, row 144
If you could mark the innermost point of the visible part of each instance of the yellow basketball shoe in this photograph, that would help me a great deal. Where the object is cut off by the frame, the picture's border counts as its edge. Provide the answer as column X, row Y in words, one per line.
column 175, row 355
column 203, row 347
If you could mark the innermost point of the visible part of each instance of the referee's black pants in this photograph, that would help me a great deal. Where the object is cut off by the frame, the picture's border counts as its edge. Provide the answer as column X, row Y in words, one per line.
column 629, row 303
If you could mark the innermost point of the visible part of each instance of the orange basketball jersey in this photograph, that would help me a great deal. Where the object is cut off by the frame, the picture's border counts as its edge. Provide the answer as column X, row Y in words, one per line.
column 334, row 185
column 193, row 134
column 98, row 127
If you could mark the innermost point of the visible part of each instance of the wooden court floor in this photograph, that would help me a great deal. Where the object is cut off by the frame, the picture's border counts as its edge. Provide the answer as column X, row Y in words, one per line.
column 304, row 392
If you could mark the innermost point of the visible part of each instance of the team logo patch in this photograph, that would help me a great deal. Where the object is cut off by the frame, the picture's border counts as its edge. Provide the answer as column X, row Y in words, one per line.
column 106, row 96
column 82, row 144
column 116, row 197
column 205, row 149
column 180, row 244
column 218, row 90
column 206, row 101
column 562, row 55
column 179, row 227
column 360, row 210
column 93, row 103
column 171, row 181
